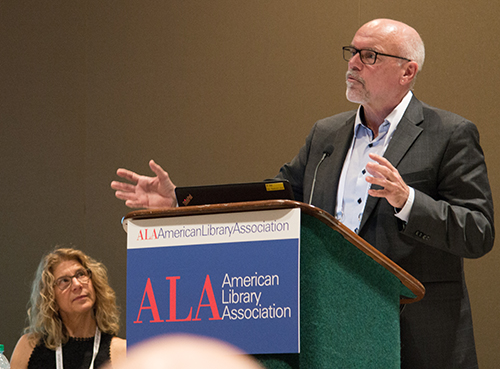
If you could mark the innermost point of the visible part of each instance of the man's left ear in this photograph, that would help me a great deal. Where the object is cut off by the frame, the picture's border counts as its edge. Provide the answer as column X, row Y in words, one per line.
column 410, row 72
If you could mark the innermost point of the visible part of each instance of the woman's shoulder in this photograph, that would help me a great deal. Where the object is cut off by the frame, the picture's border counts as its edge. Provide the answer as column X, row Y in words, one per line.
column 118, row 349
column 22, row 352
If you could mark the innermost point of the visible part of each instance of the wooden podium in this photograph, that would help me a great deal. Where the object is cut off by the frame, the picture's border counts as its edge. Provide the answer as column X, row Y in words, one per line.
column 350, row 293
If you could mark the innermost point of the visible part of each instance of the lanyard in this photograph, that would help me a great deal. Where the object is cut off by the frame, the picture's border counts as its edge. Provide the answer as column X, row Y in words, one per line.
column 97, row 342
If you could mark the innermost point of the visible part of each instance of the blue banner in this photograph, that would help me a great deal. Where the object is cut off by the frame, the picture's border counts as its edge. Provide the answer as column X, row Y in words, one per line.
column 244, row 293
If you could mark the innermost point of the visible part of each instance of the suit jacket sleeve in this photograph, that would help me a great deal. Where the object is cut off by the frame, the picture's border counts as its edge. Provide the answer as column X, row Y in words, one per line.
column 294, row 171
column 458, row 216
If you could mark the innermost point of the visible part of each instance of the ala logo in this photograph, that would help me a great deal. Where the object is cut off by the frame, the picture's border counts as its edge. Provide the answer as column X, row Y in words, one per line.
column 172, row 317
column 147, row 234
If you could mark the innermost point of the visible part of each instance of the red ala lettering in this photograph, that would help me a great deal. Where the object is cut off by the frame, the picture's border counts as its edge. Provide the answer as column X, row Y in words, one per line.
column 173, row 302
column 152, row 301
column 207, row 287
column 140, row 237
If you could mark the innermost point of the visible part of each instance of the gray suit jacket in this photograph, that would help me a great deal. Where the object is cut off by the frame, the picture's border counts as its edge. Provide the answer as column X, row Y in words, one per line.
column 438, row 154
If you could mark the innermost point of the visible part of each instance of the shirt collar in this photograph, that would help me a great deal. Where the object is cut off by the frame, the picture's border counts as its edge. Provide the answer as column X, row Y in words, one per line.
column 393, row 118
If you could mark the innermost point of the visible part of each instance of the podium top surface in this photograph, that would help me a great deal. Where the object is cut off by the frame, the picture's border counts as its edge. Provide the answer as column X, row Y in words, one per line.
column 406, row 279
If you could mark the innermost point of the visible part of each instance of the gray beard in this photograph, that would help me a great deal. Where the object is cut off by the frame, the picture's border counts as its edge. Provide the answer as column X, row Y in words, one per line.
column 356, row 96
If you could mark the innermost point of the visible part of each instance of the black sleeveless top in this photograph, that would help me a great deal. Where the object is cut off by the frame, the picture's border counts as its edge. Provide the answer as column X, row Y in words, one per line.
column 77, row 354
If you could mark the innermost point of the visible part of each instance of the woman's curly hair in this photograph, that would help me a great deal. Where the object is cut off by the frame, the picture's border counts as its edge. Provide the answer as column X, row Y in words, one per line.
column 44, row 320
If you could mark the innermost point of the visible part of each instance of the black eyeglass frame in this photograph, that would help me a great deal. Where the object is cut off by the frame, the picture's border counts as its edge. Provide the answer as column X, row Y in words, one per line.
column 358, row 51
column 88, row 276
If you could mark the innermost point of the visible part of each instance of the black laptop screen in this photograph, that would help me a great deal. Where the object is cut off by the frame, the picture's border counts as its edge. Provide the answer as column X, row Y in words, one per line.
column 234, row 192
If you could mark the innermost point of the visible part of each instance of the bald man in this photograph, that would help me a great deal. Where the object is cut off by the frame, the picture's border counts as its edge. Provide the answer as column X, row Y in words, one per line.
column 408, row 178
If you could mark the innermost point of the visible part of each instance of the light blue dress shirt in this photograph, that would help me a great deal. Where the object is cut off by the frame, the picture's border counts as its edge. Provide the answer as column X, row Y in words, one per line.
column 353, row 187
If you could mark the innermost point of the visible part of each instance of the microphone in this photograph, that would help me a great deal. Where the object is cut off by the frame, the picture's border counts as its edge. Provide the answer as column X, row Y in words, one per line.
column 326, row 153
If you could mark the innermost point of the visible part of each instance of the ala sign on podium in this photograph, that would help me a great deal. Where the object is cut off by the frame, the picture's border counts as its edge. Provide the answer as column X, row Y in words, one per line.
column 233, row 276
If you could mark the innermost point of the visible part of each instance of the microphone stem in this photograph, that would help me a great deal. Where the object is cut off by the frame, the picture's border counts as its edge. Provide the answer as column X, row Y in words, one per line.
column 325, row 154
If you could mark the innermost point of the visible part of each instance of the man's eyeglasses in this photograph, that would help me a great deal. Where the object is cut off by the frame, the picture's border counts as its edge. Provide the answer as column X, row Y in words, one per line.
column 83, row 276
column 367, row 56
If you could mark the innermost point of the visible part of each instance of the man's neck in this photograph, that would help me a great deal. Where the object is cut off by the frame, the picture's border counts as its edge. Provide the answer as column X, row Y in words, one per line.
column 373, row 120
column 374, row 117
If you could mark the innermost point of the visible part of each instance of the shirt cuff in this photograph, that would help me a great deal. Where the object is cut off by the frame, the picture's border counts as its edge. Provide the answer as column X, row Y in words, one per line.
column 404, row 214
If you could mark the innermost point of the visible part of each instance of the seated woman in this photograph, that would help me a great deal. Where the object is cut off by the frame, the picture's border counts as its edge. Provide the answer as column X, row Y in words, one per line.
column 73, row 317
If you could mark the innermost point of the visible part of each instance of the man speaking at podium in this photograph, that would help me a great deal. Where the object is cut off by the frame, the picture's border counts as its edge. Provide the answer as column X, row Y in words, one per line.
column 408, row 178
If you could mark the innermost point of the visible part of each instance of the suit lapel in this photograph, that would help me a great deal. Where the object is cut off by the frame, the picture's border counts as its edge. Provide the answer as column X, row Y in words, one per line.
column 406, row 133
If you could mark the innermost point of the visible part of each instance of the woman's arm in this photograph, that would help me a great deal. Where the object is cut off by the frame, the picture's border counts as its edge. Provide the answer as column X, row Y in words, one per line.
column 118, row 349
column 22, row 353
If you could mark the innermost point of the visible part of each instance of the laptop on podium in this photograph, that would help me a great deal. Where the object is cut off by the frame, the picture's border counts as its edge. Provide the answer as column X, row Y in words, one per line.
column 234, row 192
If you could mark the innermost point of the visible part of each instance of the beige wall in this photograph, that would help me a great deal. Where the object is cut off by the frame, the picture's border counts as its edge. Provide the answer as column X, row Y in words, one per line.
column 215, row 91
